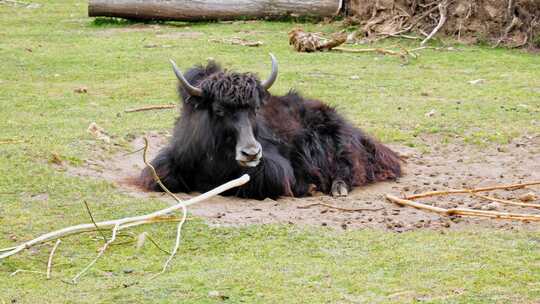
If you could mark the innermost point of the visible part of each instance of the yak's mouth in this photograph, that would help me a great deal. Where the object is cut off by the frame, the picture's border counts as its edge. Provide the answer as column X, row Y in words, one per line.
column 249, row 164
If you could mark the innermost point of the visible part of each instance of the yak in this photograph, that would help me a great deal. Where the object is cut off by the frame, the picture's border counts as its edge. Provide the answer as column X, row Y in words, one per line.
column 289, row 145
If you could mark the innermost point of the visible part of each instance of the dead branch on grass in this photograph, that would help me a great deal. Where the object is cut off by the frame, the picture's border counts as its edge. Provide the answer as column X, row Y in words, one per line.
column 149, row 108
column 119, row 224
column 339, row 208
column 238, row 41
column 11, row 141
column 94, row 222
column 101, row 252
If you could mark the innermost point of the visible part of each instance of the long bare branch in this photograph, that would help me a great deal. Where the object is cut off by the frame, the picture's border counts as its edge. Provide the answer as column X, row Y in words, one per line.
column 142, row 219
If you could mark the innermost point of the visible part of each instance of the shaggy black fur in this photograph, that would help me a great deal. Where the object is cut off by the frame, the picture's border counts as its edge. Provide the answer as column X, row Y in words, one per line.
column 304, row 142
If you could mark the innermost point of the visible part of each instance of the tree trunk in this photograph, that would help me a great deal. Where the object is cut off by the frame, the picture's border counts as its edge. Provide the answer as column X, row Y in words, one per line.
column 192, row 10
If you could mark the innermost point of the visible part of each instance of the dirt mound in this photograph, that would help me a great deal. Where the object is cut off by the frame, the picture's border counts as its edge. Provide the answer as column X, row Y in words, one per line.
column 513, row 23
column 446, row 166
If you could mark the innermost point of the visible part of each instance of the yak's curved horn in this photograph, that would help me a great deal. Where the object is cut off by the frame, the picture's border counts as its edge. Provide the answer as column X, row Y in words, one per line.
column 194, row 91
column 273, row 76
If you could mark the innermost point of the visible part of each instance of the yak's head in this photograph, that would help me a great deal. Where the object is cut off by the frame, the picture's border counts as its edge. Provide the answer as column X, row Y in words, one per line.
column 232, row 101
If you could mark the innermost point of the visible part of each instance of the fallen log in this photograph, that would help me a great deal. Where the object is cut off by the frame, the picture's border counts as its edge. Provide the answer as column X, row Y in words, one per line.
column 194, row 10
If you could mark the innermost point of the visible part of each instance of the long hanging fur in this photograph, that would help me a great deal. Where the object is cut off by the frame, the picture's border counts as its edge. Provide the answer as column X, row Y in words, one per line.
column 304, row 142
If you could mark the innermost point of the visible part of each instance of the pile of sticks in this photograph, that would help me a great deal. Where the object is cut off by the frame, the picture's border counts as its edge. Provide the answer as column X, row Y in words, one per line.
column 410, row 201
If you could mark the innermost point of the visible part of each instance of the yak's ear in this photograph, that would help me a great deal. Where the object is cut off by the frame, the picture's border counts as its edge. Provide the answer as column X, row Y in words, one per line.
column 264, row 95
column 196, row 102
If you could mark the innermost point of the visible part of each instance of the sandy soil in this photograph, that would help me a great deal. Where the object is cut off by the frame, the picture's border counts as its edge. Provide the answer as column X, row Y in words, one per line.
column 445, row 166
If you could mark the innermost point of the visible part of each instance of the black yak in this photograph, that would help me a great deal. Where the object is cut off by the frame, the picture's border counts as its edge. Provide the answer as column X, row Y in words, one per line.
column 290, row 146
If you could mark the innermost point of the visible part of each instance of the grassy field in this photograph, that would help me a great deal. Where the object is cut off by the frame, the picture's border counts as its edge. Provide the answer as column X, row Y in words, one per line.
column 49, row 51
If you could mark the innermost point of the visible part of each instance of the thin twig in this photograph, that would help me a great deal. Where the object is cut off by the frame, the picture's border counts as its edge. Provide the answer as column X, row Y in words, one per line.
column 49, row 263
column 149, row 108
column 339, row 208
column 133, row 152
column 238, row 41
column 156, row 244
column 93, row 221
column 376, row 50
column 22, row 270
column 101, row 252
column 503, row 201
column 468, row 191
column 184, row 209
column 11, row 141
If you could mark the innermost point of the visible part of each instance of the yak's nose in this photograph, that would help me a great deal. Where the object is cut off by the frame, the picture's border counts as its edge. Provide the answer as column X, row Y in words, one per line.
column 251, row 153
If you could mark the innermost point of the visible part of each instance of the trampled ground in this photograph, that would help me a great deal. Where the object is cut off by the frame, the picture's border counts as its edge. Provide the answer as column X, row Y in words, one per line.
column 476, row 134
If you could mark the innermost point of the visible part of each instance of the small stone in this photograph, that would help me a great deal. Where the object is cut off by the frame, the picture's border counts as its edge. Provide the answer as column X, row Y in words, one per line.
column 491, row 206
column 81, row 90
column 477, row 81
column 528, row 197
column 430, row 113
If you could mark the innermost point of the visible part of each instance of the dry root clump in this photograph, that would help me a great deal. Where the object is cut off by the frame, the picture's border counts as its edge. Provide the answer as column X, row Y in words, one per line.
column 512, row 23
column 311, row 42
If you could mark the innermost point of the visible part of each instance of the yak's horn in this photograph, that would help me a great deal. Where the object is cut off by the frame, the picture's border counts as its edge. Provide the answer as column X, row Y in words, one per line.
column 270, row 81
column 194, row 91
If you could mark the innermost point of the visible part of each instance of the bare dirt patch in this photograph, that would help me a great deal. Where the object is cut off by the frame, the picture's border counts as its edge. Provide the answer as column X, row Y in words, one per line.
column 445, row 166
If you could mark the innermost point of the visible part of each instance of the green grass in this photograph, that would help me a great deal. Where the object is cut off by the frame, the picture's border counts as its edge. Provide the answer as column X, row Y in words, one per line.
column 49, row 51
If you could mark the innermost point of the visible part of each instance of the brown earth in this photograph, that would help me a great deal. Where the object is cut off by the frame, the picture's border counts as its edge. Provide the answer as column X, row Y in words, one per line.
column 513, row 23
column 445, row 166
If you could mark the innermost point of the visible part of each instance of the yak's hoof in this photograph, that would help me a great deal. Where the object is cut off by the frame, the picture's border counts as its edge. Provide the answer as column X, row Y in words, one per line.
column 339, row 188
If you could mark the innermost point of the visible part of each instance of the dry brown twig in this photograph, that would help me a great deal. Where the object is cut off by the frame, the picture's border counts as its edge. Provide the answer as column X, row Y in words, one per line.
column 94, row 222
column 339, row 208
column 239, row 41
column 408, row 201
column 149, row 108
